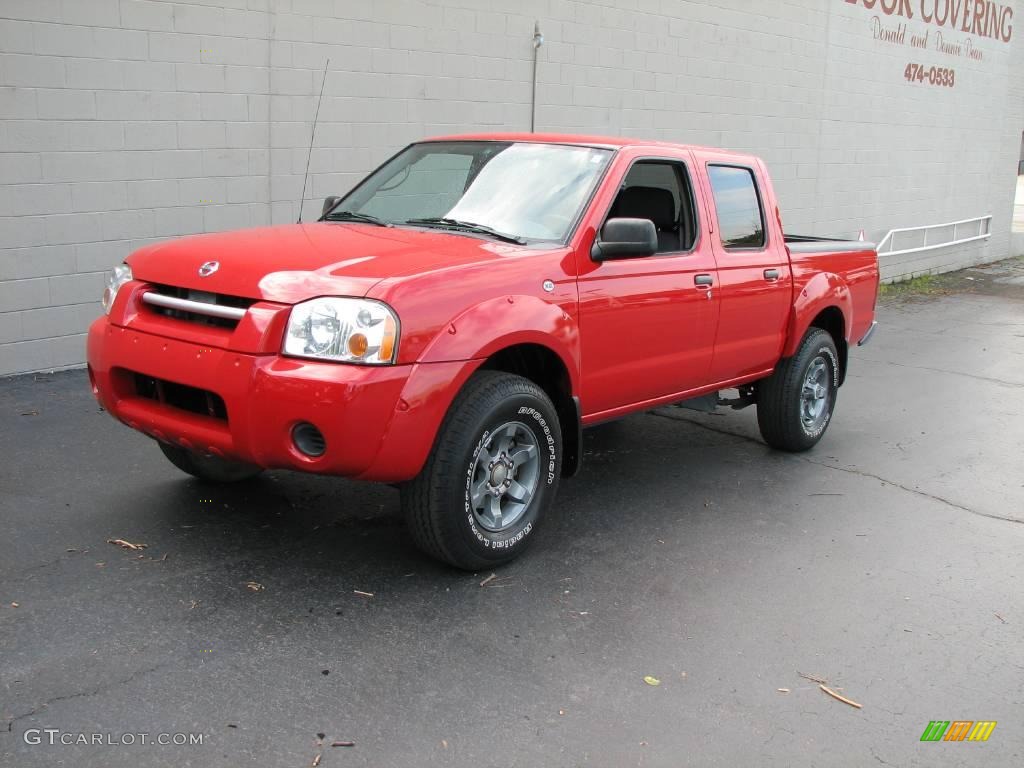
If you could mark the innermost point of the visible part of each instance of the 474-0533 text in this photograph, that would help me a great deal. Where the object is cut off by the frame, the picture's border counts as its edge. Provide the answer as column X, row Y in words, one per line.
column 918, row 73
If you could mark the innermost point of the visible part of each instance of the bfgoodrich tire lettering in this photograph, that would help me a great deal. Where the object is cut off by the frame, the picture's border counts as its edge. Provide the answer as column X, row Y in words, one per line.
column 795, row 403
column 499, row 445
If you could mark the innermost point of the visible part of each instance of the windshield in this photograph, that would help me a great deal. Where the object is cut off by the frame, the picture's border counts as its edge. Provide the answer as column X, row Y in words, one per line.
column 517, row 190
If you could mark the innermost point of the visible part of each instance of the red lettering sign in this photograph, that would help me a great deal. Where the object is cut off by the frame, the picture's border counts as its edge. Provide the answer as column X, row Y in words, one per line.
column 981, row 18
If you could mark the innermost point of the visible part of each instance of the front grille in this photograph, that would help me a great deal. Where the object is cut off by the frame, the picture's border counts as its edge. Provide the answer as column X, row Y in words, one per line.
column 203, row 297
column 181, row 396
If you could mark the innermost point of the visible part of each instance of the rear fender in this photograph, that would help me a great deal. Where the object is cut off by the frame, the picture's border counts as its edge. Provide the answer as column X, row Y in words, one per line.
column 824, row 290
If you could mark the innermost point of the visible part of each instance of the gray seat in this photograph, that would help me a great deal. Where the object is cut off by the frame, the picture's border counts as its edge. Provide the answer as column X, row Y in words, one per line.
column 652, row 203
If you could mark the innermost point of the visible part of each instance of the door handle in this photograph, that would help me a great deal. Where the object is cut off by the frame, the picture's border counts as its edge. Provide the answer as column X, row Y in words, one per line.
column 771, row 274
column 703, row 280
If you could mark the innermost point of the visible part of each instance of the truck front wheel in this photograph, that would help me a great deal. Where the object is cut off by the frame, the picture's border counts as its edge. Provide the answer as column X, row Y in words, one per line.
column 492, row 473
column 210, row 468
column 795, row 403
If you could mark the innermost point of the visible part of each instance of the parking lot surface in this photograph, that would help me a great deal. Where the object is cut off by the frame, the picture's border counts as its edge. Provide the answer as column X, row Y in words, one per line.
column 277, row 617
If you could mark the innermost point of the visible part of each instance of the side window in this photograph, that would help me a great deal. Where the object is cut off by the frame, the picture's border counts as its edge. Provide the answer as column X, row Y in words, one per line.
column 430, row 187
column 740, row 218
column 659, row 191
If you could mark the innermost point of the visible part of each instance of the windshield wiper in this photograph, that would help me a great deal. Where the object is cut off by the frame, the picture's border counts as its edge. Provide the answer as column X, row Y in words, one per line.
column 465, row 226
column 353, row 216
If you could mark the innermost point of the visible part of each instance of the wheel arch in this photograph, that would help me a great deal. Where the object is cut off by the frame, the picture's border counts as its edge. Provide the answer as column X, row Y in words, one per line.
column 824, row 302
column 529, row 337
column 546, row 368
column 832, row 321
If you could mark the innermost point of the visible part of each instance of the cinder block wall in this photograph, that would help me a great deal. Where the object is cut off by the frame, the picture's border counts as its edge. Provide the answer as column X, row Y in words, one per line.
column 127, row 121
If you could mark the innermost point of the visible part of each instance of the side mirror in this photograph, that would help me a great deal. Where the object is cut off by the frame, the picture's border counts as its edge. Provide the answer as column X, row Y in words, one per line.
column 329, row 202
column 625, row 239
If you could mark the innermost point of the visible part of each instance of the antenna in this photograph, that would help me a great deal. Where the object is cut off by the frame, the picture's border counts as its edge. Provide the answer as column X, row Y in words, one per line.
column 538, row 41
column 312, row 136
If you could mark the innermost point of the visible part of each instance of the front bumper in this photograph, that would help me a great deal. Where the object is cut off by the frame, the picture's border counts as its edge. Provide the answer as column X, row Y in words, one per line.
column 378, row 422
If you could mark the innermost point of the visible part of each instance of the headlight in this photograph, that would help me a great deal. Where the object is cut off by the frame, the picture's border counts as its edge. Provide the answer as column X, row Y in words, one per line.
column 343, row 330
column 117, row 277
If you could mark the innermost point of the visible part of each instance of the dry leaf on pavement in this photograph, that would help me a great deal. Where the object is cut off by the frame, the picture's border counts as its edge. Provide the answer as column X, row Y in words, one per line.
column 843, row 699
column 126, row 544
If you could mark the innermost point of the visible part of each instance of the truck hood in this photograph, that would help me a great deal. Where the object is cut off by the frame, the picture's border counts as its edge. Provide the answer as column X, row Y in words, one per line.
column 295, row 262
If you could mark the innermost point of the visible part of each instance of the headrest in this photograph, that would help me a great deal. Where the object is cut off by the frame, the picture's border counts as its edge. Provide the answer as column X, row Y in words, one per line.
column 652, row 203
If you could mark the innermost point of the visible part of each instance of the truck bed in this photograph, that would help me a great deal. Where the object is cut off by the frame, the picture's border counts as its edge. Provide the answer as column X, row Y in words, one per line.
column 854, row 260
column 813, row 244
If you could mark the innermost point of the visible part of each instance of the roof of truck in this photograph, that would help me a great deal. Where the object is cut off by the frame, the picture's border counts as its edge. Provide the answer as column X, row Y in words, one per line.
column 608, row 142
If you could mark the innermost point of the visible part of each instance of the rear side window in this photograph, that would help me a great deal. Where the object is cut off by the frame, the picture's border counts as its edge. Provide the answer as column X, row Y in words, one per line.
column 740, row 218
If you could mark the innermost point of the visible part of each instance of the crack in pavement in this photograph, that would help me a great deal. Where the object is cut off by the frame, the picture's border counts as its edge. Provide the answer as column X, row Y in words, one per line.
column 989, row 379
column 39, row 566
column 849, row 470
column 925, row 494
column 83, row 694
column 875, row 755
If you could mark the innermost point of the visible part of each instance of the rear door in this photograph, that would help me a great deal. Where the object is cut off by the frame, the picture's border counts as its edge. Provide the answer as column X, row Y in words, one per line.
column 647, row 324
column 754, row 280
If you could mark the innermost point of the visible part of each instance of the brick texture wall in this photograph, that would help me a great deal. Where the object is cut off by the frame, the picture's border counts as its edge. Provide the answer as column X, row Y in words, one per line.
column 128, row 121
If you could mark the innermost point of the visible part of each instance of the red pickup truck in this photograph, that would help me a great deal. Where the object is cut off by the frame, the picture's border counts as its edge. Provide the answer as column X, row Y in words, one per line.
column 453, row 322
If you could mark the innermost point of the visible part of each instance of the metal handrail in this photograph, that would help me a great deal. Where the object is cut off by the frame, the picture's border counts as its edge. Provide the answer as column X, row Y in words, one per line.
column 982, row 231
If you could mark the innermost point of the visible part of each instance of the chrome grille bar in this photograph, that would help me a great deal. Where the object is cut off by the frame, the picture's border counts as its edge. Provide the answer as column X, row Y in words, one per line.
column 196, row 307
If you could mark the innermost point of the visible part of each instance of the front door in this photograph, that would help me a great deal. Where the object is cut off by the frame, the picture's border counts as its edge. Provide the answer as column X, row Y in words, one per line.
column 648, row 324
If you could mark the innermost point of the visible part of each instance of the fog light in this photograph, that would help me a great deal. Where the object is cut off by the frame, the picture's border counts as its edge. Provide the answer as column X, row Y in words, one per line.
column 308, row 440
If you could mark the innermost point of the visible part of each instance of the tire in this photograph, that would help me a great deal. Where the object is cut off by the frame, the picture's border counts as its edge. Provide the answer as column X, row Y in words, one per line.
column 484, row 443
column 790, row 416
column 209, row 468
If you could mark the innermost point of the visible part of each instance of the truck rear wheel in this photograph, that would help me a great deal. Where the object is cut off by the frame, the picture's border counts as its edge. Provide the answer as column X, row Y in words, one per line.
column 795, row 403
column 491, row 475
column 210, row 468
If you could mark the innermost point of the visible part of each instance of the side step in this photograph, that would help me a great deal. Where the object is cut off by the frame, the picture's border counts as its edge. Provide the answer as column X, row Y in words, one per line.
column 712, row 400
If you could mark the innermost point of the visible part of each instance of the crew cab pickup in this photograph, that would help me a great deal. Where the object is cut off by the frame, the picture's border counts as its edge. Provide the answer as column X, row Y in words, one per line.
column 453, row 323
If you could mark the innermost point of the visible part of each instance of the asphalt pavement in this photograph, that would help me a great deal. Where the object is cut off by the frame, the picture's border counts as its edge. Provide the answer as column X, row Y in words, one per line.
column 276, row 618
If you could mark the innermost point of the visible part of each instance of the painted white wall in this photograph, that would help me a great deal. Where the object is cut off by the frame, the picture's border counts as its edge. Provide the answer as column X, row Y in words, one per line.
column 128, row 121
column 1017, row 238
column 1018, row 216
